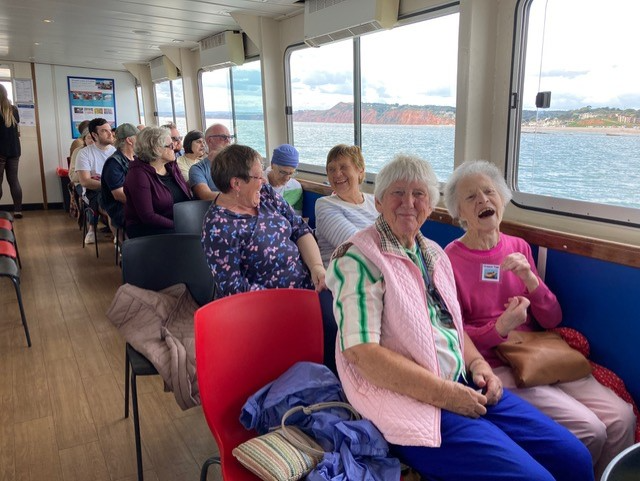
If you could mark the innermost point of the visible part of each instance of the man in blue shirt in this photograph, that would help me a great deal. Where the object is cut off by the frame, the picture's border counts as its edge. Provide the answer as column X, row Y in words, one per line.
column 217, row 138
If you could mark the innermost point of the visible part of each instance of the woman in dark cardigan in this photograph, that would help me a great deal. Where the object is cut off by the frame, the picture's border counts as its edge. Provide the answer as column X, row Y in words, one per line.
column 10, row 149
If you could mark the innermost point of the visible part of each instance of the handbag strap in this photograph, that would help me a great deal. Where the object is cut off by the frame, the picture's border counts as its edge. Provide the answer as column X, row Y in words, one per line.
column 308, row 410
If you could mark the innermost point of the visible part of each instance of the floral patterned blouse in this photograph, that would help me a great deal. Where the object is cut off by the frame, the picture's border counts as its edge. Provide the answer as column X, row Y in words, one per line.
column 249, row 252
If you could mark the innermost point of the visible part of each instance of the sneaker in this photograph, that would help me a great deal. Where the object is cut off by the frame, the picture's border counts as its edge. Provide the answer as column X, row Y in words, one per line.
column 17, row 215
column 90, row 238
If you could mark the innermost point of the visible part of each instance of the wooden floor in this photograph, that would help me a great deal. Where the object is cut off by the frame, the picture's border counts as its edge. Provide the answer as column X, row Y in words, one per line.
column 62, row 400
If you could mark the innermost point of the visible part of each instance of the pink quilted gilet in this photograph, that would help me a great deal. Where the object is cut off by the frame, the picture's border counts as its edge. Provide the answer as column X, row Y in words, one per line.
column 407, row 331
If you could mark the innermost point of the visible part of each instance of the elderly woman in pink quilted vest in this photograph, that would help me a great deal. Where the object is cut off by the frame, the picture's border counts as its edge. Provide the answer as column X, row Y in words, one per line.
column 406, row 364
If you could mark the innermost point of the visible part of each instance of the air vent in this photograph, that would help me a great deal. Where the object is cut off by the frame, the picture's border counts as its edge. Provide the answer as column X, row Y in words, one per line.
column 221, row 50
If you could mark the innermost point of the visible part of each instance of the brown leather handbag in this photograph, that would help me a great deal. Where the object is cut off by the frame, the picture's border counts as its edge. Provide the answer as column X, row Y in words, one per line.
column 542, row 358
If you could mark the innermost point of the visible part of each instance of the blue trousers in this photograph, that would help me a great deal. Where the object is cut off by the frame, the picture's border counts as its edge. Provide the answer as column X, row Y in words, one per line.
column 513, row 441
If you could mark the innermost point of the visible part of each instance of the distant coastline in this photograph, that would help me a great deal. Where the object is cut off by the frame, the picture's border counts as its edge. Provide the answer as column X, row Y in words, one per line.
column 582, row 130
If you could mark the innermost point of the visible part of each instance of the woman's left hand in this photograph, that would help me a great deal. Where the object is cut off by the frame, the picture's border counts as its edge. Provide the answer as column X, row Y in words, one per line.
column 519, row 265
column 484, row 377
column 317, row 276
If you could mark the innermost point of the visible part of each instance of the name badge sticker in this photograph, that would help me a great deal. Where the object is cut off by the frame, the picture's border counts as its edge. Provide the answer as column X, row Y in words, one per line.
column 490, row 272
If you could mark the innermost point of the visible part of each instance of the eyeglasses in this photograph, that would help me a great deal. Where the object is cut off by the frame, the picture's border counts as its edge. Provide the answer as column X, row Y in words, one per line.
column 260, row 178
column 176, row 139
column 438, row 304
column 284, row 173
column 227, row 138
column 170, row 146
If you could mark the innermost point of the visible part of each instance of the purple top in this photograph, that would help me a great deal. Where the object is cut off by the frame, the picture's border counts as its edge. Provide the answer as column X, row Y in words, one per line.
column 249, row 252
column 149, row 201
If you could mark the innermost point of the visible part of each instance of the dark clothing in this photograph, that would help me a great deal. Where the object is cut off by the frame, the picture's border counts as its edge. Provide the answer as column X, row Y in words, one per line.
column 113, row 174
column 9, row 137
column 149, row 201
column 176, row 192
column 9, row 158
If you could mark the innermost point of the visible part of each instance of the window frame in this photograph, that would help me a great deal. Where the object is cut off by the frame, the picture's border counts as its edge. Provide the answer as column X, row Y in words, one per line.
column 611, row 214
column 437, row 11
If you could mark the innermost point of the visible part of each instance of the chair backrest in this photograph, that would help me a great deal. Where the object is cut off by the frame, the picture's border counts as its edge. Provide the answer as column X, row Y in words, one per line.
column 243, row 342
column 625, row 466
column 188, row 216
column 159, row 261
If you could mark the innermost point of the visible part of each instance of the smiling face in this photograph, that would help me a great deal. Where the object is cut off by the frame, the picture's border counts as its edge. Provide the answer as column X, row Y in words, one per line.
column 344, row 176
column 480, row 204
column 405, row 206
column 249, row 190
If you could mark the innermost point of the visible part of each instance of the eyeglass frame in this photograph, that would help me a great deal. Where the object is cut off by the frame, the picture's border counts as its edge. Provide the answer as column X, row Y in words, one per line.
column 284, row 173
column 228, row 138
column 177, row 139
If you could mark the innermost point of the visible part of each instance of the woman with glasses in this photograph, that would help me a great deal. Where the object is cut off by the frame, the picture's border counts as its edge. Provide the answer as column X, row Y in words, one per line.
column 284, row 163
column 347, row 210
column 406, row 364
column 251, row 237
column 153, row 184
column 499, row 290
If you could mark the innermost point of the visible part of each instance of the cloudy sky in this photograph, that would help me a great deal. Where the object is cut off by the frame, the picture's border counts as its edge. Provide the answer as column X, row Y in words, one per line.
column 587, row 56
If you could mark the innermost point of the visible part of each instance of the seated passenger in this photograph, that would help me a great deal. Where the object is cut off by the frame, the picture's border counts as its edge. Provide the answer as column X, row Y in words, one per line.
column 347, row 210
column 194, row 150
column 79, row 141
column 113, row 174
column 284, row 163
column 251, row 237
column 153, row 184
column 476, row 196
column 217, row 138
column 406, row 364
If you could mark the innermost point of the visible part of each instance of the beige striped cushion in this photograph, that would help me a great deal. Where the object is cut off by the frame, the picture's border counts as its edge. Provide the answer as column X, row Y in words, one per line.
column 272, row 458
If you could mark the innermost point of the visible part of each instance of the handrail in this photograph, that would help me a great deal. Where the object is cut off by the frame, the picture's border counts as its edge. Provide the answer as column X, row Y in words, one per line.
column 616, row 252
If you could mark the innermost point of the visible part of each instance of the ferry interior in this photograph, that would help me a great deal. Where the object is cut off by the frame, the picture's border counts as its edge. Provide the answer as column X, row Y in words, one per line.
column 546, row 90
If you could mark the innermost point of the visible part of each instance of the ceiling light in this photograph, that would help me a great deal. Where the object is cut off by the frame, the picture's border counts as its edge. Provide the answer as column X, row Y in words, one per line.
column 142, row 32
column 112, row 51
column 36, row 43
column 153, row 46
column 47, row 20
column 175, row 40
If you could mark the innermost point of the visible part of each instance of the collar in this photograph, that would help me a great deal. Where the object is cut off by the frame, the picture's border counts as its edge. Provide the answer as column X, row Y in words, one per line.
column 389, row 243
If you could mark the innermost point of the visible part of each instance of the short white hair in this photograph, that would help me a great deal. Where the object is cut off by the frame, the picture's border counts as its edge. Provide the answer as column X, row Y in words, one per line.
column 408, row 168
column 473, row 167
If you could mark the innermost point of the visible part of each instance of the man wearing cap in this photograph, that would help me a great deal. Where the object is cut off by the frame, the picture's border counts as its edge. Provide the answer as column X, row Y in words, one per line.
column 284, row 162
column 113, row 173
column 194, row 150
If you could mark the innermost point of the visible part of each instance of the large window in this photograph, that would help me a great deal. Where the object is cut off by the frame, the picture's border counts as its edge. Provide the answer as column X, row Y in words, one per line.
column 170, row 104
column 581, row 153
column 233, row 97
column 389, row 92
column 5, row 80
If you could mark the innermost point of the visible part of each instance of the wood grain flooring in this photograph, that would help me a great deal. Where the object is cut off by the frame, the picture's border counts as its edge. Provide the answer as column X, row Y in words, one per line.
column 62, row 400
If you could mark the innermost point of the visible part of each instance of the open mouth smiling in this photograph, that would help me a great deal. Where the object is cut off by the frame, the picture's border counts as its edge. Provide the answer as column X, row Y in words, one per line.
column 488, row 212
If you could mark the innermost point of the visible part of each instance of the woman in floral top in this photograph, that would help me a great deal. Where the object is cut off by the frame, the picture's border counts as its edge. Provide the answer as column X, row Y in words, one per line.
column 251, row 237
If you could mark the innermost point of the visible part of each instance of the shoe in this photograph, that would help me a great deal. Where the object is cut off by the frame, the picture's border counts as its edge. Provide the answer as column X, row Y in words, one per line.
column 17, row 215
column 90, row 238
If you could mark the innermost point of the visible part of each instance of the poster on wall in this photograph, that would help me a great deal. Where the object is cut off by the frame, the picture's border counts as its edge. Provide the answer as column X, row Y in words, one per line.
column 90, row 98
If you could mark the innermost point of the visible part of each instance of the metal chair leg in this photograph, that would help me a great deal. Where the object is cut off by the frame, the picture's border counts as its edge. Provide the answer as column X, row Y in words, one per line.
column 16, row 285
column 136, row 425
column 205, row 467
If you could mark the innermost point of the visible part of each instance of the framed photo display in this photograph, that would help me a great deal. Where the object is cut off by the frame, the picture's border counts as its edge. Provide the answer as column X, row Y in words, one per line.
column 90, row 98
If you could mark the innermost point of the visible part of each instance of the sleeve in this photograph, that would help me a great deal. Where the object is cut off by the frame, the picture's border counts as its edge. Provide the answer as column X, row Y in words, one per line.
column 331, row 224
column 222, row 249
column 184, row 167
column 358, row 293
column 544, row 307
column 298, row 226
column 196, row 176
column 82, row 160
column 140, row 196
column 112, row 174
column 16, row 114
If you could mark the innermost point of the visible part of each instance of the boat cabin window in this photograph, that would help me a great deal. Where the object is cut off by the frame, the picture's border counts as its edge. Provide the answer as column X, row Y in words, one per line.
column 5, row 80
column 232, row 96
column 170, row 104
column 575, row 109
column 391, row 91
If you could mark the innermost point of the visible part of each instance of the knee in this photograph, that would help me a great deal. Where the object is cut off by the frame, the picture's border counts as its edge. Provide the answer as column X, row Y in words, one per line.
column 622, row 424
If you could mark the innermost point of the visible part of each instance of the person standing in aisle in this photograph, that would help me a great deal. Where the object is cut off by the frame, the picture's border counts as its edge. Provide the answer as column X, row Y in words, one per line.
column 10, row 150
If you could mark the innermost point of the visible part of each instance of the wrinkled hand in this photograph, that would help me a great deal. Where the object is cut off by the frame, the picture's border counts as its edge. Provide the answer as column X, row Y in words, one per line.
column 317, row 276
column 519, row 265
column 514, row 315
column 461, row 399
column 484, row 378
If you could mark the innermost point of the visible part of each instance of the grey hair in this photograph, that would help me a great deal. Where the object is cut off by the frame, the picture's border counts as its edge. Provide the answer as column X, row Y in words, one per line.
column 150, row 143
column 408, row 168
column 473, row 167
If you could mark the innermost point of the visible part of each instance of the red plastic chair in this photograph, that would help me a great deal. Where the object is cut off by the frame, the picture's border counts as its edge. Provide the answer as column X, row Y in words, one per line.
column 6, row 224
column 243, row 342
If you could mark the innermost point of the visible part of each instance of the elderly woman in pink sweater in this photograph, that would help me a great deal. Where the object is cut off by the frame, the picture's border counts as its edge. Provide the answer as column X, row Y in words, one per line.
column 499, row 290
column 406, row 364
